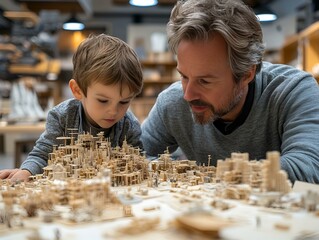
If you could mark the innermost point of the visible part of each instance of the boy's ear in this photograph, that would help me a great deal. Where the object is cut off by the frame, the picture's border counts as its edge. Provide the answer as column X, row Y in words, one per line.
column 76, row 91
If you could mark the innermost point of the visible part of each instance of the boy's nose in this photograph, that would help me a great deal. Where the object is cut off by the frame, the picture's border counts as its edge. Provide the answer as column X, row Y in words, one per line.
column 112, row 110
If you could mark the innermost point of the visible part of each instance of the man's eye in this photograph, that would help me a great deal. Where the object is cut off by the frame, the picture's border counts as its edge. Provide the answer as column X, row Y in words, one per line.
column 203, row 81
column 182, row 76
column 184, row 79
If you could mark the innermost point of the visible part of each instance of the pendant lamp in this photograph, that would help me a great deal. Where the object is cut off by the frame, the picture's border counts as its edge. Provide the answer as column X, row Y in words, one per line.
column 73, row 24
column 264, row 14
column 143, row 3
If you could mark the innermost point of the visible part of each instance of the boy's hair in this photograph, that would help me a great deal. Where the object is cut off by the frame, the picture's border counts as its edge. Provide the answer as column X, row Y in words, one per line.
column 107, row 60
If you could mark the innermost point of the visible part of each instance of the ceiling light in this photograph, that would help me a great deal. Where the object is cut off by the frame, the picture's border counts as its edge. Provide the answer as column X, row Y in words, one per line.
column 73, row 24
column 267, row 17
column 143, row 3
column 264, row 14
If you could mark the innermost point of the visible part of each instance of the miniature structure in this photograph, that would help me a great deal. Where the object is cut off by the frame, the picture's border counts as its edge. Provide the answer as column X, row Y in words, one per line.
column 87, row 180
column 84, row 158
column 274, row 179
column 264, row 174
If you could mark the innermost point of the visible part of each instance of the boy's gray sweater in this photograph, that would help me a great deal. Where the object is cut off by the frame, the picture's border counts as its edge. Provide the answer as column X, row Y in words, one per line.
column 70, row 114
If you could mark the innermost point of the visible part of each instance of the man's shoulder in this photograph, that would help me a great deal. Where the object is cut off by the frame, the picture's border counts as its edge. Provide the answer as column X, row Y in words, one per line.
column 281, row 76
column 283, row 82
column 282, row 70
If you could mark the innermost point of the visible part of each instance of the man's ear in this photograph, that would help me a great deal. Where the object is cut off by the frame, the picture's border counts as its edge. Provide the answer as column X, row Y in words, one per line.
column 76, row 91
column 250, row 75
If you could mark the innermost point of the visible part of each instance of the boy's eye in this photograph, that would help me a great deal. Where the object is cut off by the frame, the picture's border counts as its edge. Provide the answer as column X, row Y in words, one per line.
column 124, row 102
column 102, row 101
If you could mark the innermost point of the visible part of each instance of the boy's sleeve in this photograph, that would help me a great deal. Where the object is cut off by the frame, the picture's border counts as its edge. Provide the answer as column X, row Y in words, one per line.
column 133, row 132
column 38, row 158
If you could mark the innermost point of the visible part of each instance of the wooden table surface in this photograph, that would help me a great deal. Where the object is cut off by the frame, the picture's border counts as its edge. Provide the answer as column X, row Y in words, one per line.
column 22, row 128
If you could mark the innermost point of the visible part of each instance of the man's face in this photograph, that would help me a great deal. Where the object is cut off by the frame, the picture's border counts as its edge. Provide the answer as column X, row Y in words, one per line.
column 207, row 80
column 104, row 105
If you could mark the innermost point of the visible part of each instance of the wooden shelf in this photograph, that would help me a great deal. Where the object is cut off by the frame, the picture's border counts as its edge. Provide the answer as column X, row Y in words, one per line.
column 289, row 52
column 311, row 31
column 163, row 80
column 310, row 38
column 26, row 16
column 45, row 66
column 141, row 106
column 161, row 73
column 303, row 50
column 150, row 63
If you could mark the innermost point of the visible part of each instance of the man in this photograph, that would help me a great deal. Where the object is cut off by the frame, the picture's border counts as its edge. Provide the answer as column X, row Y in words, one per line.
column 228, row 100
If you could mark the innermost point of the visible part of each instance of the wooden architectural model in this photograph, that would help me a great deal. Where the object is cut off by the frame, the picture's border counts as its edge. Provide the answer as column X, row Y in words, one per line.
column 88, row 155
column 87, row 180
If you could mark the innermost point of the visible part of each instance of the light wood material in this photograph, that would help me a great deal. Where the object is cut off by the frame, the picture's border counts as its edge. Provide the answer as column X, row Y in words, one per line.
column 45, row 66
column 22, row 128
column 22, row 15
column 25, row 136
column 303, row 49
column 289, row 51
column 159, row 72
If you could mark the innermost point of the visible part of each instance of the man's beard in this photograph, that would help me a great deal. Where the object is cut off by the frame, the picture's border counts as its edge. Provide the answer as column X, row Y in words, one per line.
column 212, row 113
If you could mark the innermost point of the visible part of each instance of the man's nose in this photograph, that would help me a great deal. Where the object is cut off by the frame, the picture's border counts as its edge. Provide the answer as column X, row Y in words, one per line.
column 190, row 91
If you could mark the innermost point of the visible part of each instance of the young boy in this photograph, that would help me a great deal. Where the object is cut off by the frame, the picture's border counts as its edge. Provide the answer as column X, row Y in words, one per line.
column 107, row 75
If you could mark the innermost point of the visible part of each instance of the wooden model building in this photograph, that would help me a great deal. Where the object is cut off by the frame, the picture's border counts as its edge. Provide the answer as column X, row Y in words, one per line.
column 87, row 180
column 86, row 157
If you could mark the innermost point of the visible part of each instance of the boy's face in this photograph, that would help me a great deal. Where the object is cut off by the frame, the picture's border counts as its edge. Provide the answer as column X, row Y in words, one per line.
column 104, row 105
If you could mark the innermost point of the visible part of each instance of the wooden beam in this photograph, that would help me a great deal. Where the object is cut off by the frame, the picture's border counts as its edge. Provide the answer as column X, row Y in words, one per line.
column 71, row 6
column 22, row 15
column 160, row 2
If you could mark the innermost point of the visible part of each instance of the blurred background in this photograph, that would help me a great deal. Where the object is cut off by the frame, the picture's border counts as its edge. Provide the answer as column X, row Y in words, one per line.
column 36, row 48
